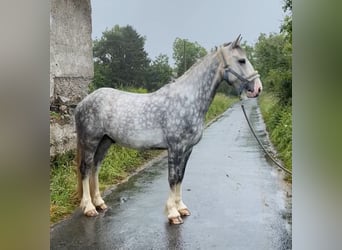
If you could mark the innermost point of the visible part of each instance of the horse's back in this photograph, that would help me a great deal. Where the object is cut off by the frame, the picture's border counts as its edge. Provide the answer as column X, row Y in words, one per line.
column 128, row 118
column 109, row 100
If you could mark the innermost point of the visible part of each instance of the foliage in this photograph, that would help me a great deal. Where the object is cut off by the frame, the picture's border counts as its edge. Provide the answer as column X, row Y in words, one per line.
column 120, row 162
column 286, row 27
column 185, row 54
column 278, row 119
column 62, row 186
column 220, row 104
column 120, row 58
column 268, row 53
column 227, row 89
column 273, row 59
column 55, row 117
column 287, row 5
column 134, row 90
column 159, row 73
column 120, row 61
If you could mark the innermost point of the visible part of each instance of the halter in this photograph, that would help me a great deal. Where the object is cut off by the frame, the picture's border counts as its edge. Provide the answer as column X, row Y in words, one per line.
column 244, row 80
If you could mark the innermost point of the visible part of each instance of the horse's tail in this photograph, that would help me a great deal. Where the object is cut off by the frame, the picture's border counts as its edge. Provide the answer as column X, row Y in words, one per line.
column 78, row 170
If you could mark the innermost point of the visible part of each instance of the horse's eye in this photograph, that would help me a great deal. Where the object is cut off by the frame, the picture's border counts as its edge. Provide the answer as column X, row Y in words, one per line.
column 242, row 61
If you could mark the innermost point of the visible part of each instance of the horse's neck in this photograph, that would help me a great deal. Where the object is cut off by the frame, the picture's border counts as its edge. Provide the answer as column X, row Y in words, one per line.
column 204, row 79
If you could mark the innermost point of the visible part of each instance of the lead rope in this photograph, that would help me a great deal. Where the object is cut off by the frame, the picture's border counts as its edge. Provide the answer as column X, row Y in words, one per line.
column 263, row 147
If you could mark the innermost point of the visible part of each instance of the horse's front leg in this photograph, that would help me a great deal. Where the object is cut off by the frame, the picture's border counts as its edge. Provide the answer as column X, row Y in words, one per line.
column 181, row 207
column 175, row 207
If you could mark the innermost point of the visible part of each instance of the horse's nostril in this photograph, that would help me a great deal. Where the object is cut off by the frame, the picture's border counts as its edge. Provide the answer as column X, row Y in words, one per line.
column 259, row 90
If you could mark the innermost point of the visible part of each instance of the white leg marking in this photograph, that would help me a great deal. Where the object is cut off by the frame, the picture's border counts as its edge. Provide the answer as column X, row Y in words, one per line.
column 181, row 207
column 97, row 199
column 86, row 205
column 171, row 204
column 175, row 207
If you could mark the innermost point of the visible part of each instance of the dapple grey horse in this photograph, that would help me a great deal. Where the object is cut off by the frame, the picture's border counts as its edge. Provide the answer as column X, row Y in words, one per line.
column 170, row 118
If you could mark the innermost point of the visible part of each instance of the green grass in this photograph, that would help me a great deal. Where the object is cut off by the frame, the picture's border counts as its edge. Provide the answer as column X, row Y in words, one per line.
column 220, row 104
column 54, row 115
column 62, row 186
column 119, row 163
column 278, row 119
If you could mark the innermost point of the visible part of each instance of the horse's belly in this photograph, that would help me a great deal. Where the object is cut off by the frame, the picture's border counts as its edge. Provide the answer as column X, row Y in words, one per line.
column 144, row 139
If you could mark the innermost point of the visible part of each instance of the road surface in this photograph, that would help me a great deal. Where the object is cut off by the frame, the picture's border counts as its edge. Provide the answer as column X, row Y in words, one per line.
column 237, row 198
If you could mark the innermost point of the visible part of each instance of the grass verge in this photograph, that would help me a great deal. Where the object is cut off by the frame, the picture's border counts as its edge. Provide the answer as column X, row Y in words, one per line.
column 220, row 104
column 278, row 119
column 119, row 163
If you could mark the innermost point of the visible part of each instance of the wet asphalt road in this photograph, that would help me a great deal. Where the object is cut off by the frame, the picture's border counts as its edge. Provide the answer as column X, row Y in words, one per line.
column 237, row 199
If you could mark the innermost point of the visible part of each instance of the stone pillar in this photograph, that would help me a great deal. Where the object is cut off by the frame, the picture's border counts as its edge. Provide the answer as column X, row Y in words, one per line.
column 71, row 67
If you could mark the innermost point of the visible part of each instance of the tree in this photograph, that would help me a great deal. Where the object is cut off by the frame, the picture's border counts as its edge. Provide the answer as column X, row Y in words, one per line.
column 268, row 53
column 286, row 27
column 273, row 60
column 185, row 54
column 159, row 73
column 120, row 58
column 272, row 57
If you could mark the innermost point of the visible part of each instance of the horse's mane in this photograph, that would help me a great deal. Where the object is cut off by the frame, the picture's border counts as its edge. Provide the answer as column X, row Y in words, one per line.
column 188, row 73
column 199, row 61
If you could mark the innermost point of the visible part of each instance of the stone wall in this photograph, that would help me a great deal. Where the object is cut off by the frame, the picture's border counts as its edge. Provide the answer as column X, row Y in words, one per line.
column 71, row 67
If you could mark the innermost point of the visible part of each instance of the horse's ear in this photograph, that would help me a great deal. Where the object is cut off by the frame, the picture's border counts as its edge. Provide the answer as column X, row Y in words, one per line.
column 237, row 41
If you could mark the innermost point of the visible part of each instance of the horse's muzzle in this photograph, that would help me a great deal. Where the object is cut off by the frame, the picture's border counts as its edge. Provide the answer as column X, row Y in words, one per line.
column 254, row 88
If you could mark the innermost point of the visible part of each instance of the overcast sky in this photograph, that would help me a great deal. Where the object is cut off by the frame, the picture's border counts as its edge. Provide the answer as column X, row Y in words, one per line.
column 209, row 22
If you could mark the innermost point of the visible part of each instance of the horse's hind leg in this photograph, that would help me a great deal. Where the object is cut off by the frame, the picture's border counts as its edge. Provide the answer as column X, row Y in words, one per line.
column 175, row 207
column 85, row 167
column 99, row 156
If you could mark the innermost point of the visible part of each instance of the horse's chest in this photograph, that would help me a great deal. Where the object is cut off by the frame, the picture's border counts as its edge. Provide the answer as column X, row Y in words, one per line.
column 183, row 132
column 194, row 135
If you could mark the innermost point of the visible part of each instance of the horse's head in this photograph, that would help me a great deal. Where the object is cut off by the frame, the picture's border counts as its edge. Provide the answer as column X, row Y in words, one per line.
column 238, row 71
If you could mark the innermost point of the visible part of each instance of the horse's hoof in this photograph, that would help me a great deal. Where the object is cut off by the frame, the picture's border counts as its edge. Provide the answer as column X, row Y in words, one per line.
column 102, row 207
column 176, row 221
column 91, row 213
column 184, row 212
